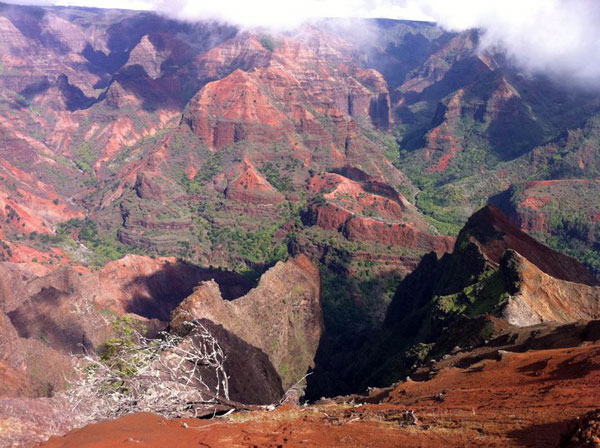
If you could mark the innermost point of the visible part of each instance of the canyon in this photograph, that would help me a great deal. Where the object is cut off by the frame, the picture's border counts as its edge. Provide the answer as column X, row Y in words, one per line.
column 391, row 236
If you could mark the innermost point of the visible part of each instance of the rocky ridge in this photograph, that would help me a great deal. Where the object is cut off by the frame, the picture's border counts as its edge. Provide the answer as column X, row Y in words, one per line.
column 282, row 316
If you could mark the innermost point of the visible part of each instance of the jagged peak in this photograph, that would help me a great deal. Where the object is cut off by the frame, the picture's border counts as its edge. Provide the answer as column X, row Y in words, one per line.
column 494, row 233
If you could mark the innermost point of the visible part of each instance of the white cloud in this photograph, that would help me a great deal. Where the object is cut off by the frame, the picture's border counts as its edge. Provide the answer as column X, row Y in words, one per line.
column 147, row 5
column 278, row 14
column 559, row 37
column 556, row 37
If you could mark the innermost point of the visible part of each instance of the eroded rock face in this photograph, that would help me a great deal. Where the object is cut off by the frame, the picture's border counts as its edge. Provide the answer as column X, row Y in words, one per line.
column 365, row 209
column 252, row 379
column 152, row 287
column 397, row 234
column 287, row 91
column 541, row 298
column 492, row 231
column 497, row 268
column 246, row 184
column 282, row 316
column 148, row 56
column 47, row 316
column 29, row 367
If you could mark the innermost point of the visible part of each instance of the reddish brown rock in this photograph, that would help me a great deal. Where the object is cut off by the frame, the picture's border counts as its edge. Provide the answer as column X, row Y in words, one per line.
column 533, row 203
column 148, row 56
column 30, row 205
column 367, row 197
column 328, row 216
column 397, row 234
column 492, row 231
column 46, row 316
column 364, row 209
column 240, row 110
column 282, row 316
column 442, row 139
column 440, row 62
column 538, row 297
column 247, row 185
column 286, row 92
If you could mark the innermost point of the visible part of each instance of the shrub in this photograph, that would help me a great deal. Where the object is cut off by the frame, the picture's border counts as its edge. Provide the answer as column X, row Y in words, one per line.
column 137, row 374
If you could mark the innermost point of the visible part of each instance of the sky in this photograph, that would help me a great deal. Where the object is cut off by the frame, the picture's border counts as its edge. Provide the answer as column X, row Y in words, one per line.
column 556, row 37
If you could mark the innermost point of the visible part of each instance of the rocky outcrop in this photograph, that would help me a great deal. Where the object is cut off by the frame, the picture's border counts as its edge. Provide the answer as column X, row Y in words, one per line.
column 148, row 56
column 252, row 379
column 117, row 97
column 496, row 268
column 364, row 209
column 234, row 109
column 366, row 196
column 438, row 64
column 442, row 143
column 152, row 287
column 247, row 185
column 282, row 316
column 47, row 316
column 287, row 91
column 395, row 234
column 537, row 297
column 583, row 432
column 493, row 233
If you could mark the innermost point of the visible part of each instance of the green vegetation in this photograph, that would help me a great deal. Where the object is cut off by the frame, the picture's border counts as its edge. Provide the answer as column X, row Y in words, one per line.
column 124, row 330
column 281, row 182
column 354, row 302
column 191, row 186
column 212, row 166
column 486, row 296
column 574, row 234
column 103, row 247
column 125, row 340
column 268, row 42
column 252, row 245
column 419, row 352
column 569, row 215
column 84, row 158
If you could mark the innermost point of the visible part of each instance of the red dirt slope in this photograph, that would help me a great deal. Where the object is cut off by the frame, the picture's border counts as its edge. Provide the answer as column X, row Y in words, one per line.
column 524, row 399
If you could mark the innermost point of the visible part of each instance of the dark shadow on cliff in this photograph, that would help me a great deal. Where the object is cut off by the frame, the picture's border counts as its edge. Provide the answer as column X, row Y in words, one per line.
column 35, row 318
column 168, row 287
column 351, row 361
column 353, row 313
column 252, row 377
